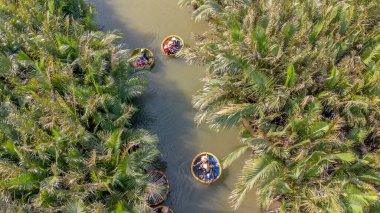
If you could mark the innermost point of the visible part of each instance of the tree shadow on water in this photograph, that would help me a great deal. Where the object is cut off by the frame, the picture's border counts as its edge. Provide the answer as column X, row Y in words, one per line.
column 108, row 20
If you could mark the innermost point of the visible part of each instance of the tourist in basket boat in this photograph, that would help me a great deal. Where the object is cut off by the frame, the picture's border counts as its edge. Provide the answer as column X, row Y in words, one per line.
column 142, row 59
column 172, row 46
column 207, row 167
column 163, row 209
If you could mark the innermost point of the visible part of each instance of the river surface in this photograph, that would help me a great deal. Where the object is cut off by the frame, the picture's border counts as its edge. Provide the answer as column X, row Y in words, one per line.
column 167, row 108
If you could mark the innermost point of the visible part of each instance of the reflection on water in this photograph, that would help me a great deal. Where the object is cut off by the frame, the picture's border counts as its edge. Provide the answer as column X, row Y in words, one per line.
column 167, row 103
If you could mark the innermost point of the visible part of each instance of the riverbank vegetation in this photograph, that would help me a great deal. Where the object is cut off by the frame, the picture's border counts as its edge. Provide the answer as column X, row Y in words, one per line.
column 67, row 142
column 302, row 79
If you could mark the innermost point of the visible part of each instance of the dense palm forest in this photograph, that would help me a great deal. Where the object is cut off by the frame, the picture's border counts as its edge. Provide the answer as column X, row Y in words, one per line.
column 67, row 142
column 302, row 80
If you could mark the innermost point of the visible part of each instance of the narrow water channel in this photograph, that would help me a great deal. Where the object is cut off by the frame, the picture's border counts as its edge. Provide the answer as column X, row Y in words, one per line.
column 167, row 104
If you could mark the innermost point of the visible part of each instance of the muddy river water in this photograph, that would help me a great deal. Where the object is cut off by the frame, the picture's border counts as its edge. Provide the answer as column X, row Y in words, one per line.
column 167, row 108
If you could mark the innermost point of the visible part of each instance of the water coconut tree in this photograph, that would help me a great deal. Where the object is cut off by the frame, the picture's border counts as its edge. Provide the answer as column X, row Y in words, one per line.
column 67, row 142
column 302, row 80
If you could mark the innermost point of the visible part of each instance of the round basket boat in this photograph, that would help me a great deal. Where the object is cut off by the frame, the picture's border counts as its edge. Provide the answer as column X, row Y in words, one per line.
column 142, row 58
column 157, row 188
column 177, row 45
column 200, row 173
column 163, row 209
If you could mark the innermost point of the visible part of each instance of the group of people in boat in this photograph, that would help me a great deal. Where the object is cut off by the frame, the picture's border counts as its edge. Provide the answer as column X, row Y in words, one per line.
column 172, row 45
column 207, row 166
column 143, row 58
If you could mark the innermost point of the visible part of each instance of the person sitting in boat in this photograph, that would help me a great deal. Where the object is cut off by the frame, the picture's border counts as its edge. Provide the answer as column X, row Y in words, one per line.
column 177, row 44
column 163, row 209
column 169, row 46
column 207, row 167
column 144, row 55
column 139, row 62
column 204, row 160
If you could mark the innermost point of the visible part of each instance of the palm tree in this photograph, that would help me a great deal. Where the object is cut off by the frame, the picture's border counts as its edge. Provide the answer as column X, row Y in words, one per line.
column 67, row 95
column 301, row 78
